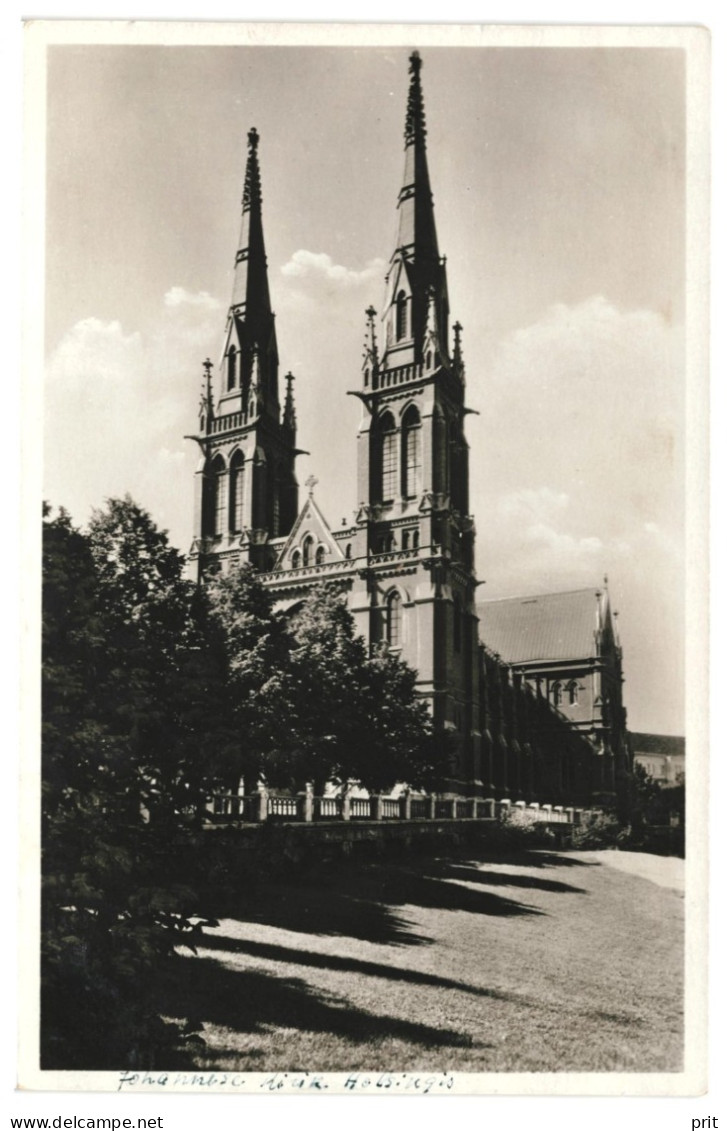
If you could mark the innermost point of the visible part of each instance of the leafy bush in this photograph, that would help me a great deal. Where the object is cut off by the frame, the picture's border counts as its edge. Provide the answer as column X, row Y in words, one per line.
column 598, row 830
column 521, row 828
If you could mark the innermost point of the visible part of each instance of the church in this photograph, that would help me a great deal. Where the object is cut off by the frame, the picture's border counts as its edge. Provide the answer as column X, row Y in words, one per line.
column 527, row 719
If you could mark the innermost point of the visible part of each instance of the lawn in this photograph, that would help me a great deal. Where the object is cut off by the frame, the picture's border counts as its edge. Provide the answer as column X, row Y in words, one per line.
column 540, row 962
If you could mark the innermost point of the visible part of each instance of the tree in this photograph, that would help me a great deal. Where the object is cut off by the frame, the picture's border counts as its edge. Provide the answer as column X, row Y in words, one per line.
column 257, row 677
column 357, row 717
column 309, row 704
column 168, row 656
column 121, row 731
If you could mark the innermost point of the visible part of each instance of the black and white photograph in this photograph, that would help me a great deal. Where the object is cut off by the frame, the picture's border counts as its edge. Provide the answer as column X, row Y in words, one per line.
column 371, row 369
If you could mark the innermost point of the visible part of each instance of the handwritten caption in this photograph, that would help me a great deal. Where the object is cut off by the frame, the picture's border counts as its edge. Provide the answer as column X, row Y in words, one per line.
column 290, row 1082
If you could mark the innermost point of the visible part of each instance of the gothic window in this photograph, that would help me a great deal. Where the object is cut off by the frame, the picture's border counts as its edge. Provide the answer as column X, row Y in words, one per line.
column 411, row 462
column 557, row 690
column 259, row 501
column 231, row 368
column 458, row 465
column 320, row 555
column 272, row 498
column 405, row 540
column 457, row 624
column 440, row 470
column 400, row 316
column 388, row 457
column 218, row 495
column 308, row 551
column 393, row 619
column 237, row 471
column 275, row 528
column 295, row 559
column 415, row 540
column 348, row 551
column 572, row 690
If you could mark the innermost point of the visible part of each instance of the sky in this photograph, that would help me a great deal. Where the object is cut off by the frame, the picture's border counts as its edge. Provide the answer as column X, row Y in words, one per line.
column 559, row 189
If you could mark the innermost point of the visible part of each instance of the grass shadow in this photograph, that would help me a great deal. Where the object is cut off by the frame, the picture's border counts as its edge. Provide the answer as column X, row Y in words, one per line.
column 471, row 873
column 214, row 941
column 251, row 1002
column 531, row 858
column 361, row 901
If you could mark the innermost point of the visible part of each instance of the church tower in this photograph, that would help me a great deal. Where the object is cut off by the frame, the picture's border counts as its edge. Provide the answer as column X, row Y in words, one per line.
column 413, row 526
column 246, row 494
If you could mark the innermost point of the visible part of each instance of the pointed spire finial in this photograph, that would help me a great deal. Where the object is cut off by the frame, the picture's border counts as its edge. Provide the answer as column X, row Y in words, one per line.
column 310, row 483
column 251, row 193
column 206, row 408
column 371, row 349
column 415, row 129
column 289, row 419
column 457, row 356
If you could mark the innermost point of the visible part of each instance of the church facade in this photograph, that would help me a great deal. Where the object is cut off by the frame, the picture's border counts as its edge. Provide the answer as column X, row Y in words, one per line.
column 406, row 559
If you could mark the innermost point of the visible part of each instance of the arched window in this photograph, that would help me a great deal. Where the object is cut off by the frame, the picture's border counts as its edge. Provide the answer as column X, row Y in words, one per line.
column 237, row 472
column 231, row 368
column 411, row 453
column 218, row 495
column 405, row 534
column 457, row 614
column 260, row 472
column 572, row 690
column 557, row 690
column 308, row 551
column 348, row 551
column 320, row 555
column 388, row 457
column 415, row 540
column 440, row 468
column 295, row 559
column 400, row 316
column 393, row 620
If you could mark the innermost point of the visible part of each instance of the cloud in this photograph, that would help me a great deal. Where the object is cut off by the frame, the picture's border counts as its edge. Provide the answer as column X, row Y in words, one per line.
column 94, row 354
column 117, row 406
column 318, row 266
column 598, row 392
column 179, row 296
column 533, row 503
column 577, row 471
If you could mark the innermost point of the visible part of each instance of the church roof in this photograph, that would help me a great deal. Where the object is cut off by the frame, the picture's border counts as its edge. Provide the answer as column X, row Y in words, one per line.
column 551, row 626
column 657, row 743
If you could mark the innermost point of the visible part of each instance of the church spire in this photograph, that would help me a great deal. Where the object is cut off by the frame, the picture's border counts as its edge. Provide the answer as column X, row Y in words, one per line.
column 416, row 269
column 251, row 322
column 417, row 232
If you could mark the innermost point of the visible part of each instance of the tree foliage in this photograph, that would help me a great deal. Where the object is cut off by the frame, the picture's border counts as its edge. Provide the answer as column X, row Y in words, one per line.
column 311, row 705
column 155, row 693
column 124, row 784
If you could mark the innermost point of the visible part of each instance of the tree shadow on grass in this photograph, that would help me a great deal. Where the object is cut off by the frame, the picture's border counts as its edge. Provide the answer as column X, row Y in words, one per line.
column 474, row 874
column 273, row 952
column 526, row 858
column 323, row 908
column 358, row 901
column 253, row 1002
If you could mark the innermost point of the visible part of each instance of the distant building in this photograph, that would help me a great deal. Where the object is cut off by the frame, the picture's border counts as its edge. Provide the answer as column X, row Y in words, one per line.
column 565, row 646
column 405, row 558
column 661, row 755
